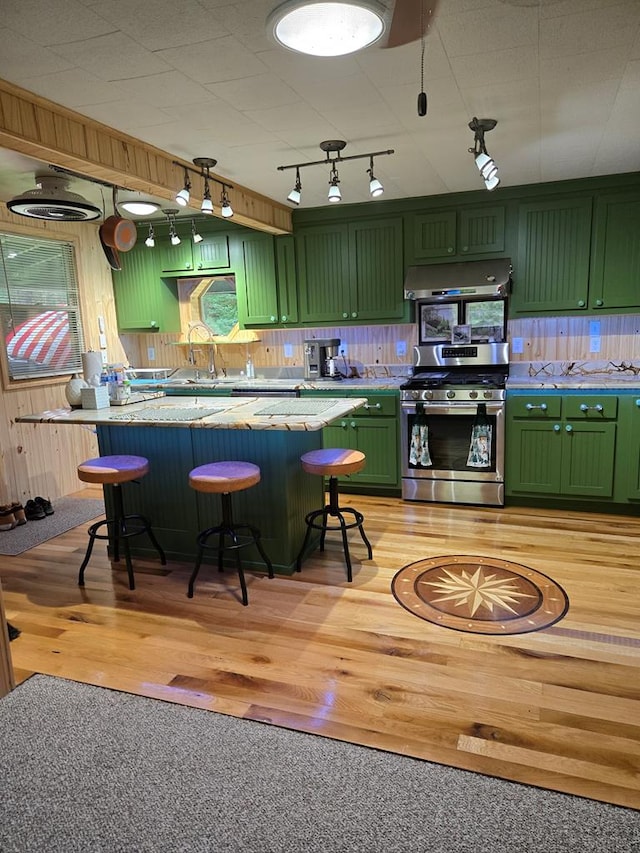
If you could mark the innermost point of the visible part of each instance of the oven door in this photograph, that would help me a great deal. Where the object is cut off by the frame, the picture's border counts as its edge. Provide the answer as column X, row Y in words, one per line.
column 450, row 441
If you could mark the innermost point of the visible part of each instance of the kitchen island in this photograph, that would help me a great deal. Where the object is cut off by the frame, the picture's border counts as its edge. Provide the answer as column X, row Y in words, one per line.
column 177, row 434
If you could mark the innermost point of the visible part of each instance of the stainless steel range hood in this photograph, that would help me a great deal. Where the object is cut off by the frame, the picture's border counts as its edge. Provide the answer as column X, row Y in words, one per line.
column 491, row 278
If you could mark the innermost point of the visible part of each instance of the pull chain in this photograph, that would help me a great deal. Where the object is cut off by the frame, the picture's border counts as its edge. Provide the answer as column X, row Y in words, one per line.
column 422, row 97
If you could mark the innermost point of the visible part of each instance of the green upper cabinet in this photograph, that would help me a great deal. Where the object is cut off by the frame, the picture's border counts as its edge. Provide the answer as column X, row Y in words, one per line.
column 615, row 271
column 143, row 300
column 552, row 263
column 175, row 259
column 350, row 272
column 454, row 234
column 286, row 279
column 212, row 253
column 258, row 303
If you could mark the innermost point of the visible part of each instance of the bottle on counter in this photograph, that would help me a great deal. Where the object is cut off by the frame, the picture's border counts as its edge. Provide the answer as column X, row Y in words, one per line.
column 250, row 372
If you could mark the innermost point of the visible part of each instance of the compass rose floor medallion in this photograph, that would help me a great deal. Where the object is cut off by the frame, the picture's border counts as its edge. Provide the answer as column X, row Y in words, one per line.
column 480, row 595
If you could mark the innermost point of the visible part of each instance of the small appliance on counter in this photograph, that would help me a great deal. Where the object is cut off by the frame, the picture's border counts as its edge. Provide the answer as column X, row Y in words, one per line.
column 320, row 358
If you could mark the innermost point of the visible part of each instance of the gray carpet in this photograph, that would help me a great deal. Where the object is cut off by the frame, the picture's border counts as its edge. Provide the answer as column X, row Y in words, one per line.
column 89, row 769
column 68, row 513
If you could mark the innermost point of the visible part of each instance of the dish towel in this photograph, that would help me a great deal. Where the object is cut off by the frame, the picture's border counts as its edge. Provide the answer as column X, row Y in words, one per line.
column 480, row 448
column 419, row 455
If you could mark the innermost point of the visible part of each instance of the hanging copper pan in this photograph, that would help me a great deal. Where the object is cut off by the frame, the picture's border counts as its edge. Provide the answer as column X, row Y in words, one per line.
column 110, row 252
column 117, row 232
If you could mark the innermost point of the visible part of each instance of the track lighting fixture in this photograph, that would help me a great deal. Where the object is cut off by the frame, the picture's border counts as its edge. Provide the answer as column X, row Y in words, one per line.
column 294, row 195
column 225, row 205
column 204, row 164
column 151, row 239
column 197, row 238
column 334, row 193
column 335, row 146
column 182, row 198
column 375, row 187
column 484, row 162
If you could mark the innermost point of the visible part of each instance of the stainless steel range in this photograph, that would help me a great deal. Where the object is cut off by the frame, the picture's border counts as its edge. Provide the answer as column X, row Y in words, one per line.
column 452, row 424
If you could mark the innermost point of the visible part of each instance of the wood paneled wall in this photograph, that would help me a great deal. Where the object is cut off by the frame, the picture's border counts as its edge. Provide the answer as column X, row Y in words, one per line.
column 569, row 338
column 42, row 459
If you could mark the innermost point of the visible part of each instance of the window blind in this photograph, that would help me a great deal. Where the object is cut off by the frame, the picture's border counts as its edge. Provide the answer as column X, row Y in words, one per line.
column 39, row 310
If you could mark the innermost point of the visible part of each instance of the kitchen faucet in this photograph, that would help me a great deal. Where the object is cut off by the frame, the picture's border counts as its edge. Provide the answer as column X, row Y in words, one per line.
column 192, row 355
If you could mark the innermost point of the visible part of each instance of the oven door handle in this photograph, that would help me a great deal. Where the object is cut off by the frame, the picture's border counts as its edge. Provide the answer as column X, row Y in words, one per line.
column 453, row 408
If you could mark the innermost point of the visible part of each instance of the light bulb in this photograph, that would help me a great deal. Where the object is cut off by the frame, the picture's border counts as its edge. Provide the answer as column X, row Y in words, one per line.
column 294, row 196
column 182, row 198
column 206, row 206
column 175, row 240
column 375, row 187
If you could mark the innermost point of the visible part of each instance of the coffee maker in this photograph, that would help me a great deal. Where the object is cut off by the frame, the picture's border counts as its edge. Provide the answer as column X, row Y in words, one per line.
column 320, row 358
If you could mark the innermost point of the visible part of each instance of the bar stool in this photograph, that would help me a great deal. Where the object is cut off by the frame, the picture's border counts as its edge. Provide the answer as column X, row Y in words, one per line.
column 333, row 463
column 112, row 472
column 223, row 478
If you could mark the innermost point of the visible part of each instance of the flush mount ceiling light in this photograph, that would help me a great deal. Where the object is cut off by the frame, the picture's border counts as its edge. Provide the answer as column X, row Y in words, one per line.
column 52, row 200
column 335, row 146
column 204, row 164
column 327, row 28
column 139, row 207
column 484, row 162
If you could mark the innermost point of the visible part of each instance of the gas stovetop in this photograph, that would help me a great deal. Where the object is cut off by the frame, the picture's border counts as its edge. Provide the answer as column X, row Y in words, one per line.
column 452, row 385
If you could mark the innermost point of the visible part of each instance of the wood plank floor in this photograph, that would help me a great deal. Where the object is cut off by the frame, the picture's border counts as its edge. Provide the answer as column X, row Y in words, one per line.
column 558, row 709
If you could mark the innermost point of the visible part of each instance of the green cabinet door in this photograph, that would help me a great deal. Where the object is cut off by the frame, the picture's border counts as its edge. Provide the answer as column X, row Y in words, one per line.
column 588, row 456
column 212, row 253
column 143, row 300
column 260, row 300
column 286, row 279
column 454, row 234
column 533, row 458
column 377, row 438
column 176, row 259
column 628, row 459
column 615, row 271
column 323, row 273
column 552, row 267
column 376, row 270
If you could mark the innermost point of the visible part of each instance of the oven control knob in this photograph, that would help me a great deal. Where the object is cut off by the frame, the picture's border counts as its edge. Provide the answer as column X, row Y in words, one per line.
column 415, row 395
column 473, row 394
column 487, row 395
column 427, row 395
column 451, row 394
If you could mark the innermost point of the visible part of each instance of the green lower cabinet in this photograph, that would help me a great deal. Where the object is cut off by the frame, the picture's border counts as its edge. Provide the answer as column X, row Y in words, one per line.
column 561, row 446
column 628, row 466
column 372, row 429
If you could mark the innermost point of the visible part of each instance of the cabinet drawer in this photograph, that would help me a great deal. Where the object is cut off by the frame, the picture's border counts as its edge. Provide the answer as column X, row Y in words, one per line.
column 377, row 405
column 534, row 406
column 591, row 406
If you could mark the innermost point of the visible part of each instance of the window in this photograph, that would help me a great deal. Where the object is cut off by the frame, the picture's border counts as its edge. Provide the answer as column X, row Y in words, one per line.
column 39, row 313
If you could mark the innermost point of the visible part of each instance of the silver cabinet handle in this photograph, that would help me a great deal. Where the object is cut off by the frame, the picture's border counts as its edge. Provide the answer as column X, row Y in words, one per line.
column 638, row 403
column 585, row 408
column 353, row 424
column 343, row 424
column 556, row 427
column 369, row 406
column 569, row 428
column 530, row 407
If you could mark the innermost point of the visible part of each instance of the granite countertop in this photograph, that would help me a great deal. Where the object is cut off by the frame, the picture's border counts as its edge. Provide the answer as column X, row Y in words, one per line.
column 578, row 375
column 199, row 412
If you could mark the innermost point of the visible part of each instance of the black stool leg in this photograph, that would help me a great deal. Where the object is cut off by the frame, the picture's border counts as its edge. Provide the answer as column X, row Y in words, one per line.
column 120, row 525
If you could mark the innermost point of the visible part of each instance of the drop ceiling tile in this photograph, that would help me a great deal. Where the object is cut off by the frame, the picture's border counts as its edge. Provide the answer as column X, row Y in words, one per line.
column 352, row 90
column 214, row 61
column 612, row 27
column 584, row 107
column 161, row 24
column 247, row 22
column 290, row 66
column 581, row 68
column 631, row 76
column 488, row 68
column 79, row 89
column 261, row 91
column 129, row 115
column 53, row 23
column 169, row 89
column 300, row 119
column 113, row 57
column 14, row 47
column 402, row 64
column 470, row 33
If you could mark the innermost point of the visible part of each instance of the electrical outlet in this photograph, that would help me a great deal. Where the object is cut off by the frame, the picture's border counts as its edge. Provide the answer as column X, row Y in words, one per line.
column 105, row 359
column 594, row 343
column 151, row 353
column 517, row 345
column 594, row 330
column 401, row 348
column 288, row 350
column 343, row 349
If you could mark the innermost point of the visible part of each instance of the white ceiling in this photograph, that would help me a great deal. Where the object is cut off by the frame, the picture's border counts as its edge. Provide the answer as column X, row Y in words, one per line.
column 202, row 78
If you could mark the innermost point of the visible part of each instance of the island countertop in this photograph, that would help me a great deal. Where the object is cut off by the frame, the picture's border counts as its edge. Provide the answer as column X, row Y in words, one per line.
column 200, row 412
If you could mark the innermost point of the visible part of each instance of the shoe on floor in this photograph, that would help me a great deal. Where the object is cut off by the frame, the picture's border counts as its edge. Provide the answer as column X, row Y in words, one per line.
column 33, row 511
column 19, row 514
column 45, row 503
column 7, row 518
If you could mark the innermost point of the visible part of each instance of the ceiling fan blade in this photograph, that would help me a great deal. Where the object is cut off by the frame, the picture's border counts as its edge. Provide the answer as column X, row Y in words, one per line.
column 410, row 21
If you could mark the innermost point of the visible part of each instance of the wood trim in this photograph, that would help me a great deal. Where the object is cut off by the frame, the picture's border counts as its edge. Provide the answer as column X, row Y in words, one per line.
column 39, row 128
column 7, row 680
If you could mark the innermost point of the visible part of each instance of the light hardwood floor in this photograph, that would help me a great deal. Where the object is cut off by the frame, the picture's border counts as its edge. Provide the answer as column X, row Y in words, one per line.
column 558, row 709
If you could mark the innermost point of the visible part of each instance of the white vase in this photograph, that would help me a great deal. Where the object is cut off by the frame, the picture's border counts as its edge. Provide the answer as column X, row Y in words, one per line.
column 73, row 390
